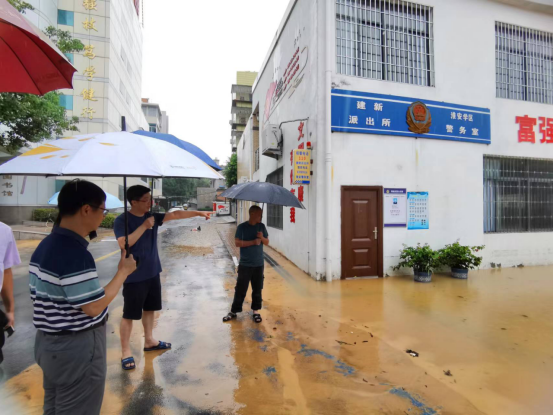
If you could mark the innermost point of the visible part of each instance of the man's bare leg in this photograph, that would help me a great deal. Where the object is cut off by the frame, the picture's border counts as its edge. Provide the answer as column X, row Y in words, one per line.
column 148, row 323
column 125, row 332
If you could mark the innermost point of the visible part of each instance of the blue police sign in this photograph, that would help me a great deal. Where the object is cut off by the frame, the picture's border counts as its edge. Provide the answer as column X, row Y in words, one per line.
column 366, row 113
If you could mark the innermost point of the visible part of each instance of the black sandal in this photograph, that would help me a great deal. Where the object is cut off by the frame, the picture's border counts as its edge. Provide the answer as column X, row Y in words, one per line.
column 257, row 318
column 229, row 317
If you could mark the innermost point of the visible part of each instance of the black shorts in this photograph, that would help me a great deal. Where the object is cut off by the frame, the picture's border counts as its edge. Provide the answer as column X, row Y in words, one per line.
column 138, row 296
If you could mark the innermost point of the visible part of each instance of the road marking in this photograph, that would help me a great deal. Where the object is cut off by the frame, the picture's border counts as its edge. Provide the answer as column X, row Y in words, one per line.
column 107, row 256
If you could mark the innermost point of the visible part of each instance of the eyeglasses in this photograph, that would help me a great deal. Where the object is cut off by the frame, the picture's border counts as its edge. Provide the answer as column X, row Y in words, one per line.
column 105, row 211
column 149, row 200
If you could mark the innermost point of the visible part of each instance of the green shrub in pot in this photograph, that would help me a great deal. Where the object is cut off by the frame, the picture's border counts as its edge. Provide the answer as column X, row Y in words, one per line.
column 421, row 258
column 460, row 258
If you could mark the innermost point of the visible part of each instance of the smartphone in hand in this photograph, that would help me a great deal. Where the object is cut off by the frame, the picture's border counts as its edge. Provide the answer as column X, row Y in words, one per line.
column 10, row 330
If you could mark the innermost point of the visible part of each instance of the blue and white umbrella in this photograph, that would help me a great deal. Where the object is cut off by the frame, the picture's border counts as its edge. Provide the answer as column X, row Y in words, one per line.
column 111, row 201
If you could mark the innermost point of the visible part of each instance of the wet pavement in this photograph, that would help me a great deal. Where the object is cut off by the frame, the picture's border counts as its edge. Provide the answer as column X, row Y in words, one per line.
column 323, row 348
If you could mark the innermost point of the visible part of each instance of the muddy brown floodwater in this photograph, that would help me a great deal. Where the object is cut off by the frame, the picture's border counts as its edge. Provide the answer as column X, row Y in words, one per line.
column 484, row 345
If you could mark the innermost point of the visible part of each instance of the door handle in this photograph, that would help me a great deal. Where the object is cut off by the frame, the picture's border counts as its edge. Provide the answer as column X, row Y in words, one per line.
column 375, row 233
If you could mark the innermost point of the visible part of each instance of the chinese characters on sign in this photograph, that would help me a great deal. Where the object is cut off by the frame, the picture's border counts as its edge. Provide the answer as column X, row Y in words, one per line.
column 8, row 185
column 293, row 210
column 90, row 4
column 301, row 167
column 417, row 204
column 89, row 51
column 368, row 113
column 90, row 72
column 395, row 207
column 90, row 24
column 300, row 129
column 527, row 133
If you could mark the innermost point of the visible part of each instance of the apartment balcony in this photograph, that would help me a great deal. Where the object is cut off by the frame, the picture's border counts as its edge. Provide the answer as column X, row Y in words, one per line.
column 241, row 111
column 234, row 144
column 237, row 133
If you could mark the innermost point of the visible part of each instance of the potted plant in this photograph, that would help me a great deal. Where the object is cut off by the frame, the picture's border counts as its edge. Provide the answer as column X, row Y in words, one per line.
column 460, row 258
column 421, row 258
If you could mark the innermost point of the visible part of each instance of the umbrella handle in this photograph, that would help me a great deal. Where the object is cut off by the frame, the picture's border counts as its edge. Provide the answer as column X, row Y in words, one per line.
column 127, row 250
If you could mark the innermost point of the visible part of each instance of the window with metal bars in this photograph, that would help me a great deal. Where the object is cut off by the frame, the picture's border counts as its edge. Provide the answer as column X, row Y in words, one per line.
column 524, row 63
column 274, row 212
column 389, row 40
column 518, row 194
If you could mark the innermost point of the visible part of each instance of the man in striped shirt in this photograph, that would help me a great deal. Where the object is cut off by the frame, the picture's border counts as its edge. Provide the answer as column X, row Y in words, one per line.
column 70, row 306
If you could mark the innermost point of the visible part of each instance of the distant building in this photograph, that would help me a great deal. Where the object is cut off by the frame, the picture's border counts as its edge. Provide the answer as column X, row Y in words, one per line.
column 241, row 105
column 158, row 121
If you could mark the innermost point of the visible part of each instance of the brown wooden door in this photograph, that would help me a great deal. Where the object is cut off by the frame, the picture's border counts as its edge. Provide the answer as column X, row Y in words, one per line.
column 362, row 232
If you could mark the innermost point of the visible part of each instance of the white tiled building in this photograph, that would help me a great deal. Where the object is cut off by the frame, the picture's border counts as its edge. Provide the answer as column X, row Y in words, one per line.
column 107, row 85
column 341, row 75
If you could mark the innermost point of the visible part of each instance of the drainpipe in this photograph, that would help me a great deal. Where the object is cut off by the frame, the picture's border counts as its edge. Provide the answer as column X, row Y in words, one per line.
column 328, row 136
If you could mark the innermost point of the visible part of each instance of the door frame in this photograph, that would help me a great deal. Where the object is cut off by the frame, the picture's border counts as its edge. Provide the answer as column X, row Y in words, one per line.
column 379, row 219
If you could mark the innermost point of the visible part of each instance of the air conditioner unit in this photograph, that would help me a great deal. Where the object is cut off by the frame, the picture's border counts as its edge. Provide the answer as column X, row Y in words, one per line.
column 271, row 140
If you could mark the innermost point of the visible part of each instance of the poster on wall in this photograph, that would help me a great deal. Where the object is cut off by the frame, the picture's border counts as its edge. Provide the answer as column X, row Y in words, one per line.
column 417, row 203
column 301, row 166
column 395, row 207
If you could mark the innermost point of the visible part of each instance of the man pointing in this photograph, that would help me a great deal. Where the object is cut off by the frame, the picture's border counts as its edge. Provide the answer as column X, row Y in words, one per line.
column 142, row 289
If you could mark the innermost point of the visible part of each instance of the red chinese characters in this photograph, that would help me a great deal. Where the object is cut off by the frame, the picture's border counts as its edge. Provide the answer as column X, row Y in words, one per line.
column 300, row 193
column 300, row 129
column 526, row 133
column 546, row 130
column 292, row 215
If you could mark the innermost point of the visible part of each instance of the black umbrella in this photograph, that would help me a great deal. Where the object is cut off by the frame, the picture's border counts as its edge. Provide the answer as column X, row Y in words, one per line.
column 262, row 192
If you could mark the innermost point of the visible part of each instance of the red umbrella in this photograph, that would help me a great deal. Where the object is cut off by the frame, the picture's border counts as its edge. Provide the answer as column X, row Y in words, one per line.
column 29, row 62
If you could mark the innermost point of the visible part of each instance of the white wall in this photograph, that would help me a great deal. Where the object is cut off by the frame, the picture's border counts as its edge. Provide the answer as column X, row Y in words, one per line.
column 296, row 240
column 451, row 172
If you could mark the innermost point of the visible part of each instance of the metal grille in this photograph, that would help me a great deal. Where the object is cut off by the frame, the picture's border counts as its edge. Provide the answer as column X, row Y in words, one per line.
column 524, row 63
column 518, row 194
column 386, row 40
column 274, row 212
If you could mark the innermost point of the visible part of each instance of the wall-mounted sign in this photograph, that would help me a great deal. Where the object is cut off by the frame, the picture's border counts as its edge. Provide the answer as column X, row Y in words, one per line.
column 395, row 207
column 527, row 131
column 301, row 166
column 366, row 113
column 417, row 204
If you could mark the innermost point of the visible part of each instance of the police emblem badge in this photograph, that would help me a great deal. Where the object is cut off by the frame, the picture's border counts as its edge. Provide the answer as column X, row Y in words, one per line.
column 419, row 118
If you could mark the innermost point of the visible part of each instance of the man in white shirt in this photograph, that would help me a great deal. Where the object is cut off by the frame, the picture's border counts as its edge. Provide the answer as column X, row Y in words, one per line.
column 9, row 257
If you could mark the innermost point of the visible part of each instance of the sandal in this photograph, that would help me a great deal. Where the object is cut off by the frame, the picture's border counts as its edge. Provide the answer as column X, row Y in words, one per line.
column 257, row 318
column 160, row 346
column 230, row 316
column 128, row 361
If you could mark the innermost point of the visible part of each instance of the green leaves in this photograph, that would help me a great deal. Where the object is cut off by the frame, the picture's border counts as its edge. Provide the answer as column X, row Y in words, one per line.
column 21, row 6
column 186, row 188
column 63, row 40
column 461, row 256
column 231, row 171
column 421, row 258
column 30, row 119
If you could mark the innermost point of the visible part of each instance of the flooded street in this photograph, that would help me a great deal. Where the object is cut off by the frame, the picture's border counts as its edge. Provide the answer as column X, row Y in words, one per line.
column 323, row 348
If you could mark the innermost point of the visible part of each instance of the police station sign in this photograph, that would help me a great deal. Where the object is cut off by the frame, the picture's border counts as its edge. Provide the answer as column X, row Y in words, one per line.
column 367, row 113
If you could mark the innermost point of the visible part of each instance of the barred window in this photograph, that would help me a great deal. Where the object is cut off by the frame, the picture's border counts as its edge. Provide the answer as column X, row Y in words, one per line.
column 390, row 40
column 518, row 194
column 524, row 63
column 274, row 212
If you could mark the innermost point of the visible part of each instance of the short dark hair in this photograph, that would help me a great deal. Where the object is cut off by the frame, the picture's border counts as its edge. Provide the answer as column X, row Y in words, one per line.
column 254, row 208
column 76, row 194
column 136, row 192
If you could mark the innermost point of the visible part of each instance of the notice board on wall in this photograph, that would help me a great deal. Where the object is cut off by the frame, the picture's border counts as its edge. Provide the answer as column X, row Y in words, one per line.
column 395, row 207
column 417, row 204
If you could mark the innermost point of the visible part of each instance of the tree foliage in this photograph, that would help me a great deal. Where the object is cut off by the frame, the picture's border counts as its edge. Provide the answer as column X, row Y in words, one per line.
column 30, row 118
column 63, row 40
column 20, row 5
column 231, row 170
column 185, row 188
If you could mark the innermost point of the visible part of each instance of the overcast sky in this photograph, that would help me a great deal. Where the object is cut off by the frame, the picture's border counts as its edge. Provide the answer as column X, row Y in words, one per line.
column 192, row 50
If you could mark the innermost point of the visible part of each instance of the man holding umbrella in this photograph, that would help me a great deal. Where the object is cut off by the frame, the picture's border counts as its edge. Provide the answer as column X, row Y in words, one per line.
column 250, row 238
column 142, row 289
